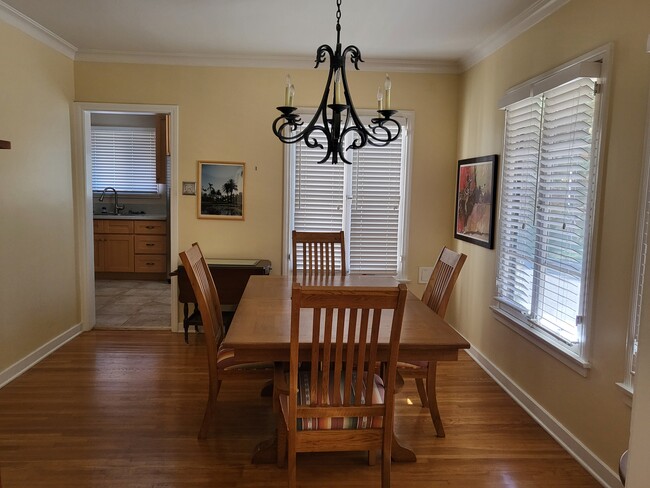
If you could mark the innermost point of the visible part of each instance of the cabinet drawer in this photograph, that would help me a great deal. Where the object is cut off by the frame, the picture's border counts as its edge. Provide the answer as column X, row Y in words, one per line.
column 150, row 244
column 150, row 227
column 152, row 263
column 113, row 226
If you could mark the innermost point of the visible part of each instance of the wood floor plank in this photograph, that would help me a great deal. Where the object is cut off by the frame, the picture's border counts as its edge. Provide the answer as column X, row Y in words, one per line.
column 123, row 408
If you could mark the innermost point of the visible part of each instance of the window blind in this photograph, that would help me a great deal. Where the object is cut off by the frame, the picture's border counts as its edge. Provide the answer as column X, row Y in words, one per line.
column 546, row 208
column 375, row 208
column 363, row 199
column 124, row 158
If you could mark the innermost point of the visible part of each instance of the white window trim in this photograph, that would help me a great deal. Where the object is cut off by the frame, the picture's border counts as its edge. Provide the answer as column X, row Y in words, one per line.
column 287, row 211
column 627, row 385
column 577, row 362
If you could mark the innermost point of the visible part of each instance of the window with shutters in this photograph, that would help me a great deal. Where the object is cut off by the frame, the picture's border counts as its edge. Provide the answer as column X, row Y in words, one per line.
column 547, row 206
column 124, row 158
column 366, row 199
column 640, row 268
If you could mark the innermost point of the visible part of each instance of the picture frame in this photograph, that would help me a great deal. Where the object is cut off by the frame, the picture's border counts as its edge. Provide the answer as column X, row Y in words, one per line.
column 476, row 200
column 189, row 188
column 221, row 190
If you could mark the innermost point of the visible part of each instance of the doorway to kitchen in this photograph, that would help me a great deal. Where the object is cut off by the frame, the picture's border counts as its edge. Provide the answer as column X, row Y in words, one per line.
column 126, row 173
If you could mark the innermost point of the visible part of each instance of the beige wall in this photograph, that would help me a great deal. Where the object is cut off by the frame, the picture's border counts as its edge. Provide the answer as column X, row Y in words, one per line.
column 38, row 291
column 225, row 114
column 591, row 408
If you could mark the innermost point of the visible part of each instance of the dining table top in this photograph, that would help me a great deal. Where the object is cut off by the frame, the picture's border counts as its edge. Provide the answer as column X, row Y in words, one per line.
column 260, row 329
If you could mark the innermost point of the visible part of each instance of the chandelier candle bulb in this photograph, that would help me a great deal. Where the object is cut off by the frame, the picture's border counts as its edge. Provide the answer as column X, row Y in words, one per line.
column 288, row 95
column 337, row 87
column 380, row 99
column 387, row 85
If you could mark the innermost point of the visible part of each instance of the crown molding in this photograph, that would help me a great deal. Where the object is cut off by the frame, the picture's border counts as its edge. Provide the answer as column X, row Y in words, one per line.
column 233, row 61
column 13, row 17
column 517, row 26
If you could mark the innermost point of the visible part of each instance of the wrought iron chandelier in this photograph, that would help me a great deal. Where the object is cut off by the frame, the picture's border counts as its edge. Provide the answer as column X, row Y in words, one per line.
column 341, row 119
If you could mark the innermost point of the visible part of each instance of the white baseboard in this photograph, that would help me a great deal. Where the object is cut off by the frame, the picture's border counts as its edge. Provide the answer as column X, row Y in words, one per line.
column 15, row 370
column 599, row 470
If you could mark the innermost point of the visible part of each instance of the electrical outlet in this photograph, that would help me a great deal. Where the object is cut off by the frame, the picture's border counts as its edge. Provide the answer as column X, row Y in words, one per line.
column 425, row 274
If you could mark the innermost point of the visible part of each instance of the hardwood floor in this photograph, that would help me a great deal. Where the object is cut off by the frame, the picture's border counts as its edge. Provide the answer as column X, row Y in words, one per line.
column 122, row 409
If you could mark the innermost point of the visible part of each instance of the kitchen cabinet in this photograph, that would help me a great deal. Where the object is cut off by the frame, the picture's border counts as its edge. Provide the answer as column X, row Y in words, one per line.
column 130, row 246
column 113, row 241
column 150, row 246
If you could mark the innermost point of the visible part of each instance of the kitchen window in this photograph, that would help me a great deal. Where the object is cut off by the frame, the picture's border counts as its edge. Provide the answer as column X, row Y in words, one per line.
column 547, row 208
column 367, row 199
column 124, row 158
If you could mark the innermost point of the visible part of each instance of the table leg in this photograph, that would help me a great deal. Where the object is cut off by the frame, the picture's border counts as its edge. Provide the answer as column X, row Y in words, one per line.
column 266, row 452
column 401, row 454
column 186, row 324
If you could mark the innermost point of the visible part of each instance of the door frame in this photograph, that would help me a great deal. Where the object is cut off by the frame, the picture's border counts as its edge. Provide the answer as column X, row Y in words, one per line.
column 83, row 199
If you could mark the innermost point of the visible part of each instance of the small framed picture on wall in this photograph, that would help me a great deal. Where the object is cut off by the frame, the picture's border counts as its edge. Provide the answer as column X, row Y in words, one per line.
column 221, row 187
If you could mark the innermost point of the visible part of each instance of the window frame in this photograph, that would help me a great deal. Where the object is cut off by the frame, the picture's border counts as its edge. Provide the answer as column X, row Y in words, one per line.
column 576, row 358
column 640, row 263
column 289, row 178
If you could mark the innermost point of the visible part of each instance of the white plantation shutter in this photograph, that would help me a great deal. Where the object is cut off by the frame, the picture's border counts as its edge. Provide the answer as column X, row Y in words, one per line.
column 375, row 208
column 519, row 188
column 318, row 192
column 363, row 199
column 547, row 209
column 124, row 158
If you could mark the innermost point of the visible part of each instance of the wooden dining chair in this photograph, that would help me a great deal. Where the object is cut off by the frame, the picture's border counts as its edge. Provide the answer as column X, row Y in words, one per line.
column 335, row 401
column 221, row 362
column 436, row 296
column 318, row 253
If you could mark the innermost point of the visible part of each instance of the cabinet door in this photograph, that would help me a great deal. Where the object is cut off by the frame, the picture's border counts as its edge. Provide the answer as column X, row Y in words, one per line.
column 118, row 253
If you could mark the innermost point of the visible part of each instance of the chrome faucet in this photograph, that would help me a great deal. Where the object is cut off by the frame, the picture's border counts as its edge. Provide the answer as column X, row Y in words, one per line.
column 117, row 206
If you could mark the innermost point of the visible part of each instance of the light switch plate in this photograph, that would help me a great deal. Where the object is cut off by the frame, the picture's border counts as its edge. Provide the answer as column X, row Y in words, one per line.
column 424, row 274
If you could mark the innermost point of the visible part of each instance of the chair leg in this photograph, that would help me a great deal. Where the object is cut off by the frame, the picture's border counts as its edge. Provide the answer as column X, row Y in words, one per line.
column 433, row 401
column 282, row 435
column 291, row 460
column 386, row 463
column 372, row 457
column 419, row 382
column 210, row 408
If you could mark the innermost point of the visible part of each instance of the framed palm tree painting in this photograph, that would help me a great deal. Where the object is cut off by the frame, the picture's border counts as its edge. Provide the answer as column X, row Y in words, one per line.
column 221, row 190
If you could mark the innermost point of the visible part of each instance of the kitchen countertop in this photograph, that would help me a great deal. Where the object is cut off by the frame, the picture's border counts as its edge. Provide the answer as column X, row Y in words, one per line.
column 129, row 217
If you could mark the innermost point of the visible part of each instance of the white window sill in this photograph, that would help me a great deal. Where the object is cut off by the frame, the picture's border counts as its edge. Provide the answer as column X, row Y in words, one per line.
column 570, row 360
column 628, row 393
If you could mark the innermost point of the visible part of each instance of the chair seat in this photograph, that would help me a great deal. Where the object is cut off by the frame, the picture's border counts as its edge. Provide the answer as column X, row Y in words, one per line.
column 335, row 423
column 226, row 361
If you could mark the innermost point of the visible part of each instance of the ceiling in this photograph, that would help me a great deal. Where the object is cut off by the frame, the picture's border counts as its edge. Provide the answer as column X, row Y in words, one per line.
column 424, row 35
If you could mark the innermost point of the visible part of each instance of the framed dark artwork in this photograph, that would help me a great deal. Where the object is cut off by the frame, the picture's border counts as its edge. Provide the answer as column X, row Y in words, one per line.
column 475, row 200
column 221, row 187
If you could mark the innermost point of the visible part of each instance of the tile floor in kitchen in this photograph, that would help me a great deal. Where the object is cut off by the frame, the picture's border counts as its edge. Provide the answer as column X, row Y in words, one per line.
column 131, row 304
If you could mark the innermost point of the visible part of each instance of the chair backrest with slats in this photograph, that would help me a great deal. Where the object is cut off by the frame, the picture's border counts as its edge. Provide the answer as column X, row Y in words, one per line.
column 442, row 280
column 344, row 325
column 207, row 298
column 318, row 252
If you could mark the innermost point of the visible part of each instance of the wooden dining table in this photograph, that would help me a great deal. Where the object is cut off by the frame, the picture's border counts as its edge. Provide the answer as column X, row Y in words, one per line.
column 261, row 327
